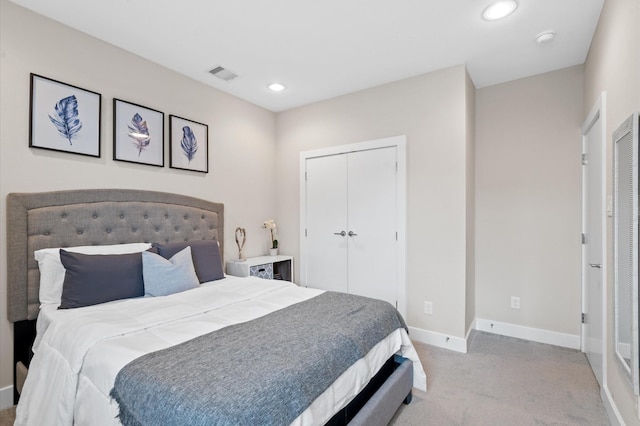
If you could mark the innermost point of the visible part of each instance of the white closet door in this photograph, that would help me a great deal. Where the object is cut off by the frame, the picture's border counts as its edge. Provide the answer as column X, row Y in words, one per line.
column 372, row 221
column 326, row 213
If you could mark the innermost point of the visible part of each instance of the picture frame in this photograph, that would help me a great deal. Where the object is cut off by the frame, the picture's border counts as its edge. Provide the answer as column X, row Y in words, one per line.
column 138, row 134
column 189, row 144
column 63, row 117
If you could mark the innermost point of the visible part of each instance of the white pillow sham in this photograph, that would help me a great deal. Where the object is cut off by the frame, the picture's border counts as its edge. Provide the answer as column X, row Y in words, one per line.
column 52, row 271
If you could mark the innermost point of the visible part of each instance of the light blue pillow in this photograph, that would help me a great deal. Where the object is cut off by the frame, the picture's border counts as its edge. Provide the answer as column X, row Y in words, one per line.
column 167, row 276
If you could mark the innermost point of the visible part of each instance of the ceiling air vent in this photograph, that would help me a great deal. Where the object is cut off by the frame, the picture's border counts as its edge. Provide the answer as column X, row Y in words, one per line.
column 223, row 73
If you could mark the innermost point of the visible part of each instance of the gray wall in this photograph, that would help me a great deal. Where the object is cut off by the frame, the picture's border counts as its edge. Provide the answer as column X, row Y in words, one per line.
column 493, row 197
column 431, row 110
column 528, row 201
column 470, row 125
column 523, row 170
column 241, row 135
column 613, row 66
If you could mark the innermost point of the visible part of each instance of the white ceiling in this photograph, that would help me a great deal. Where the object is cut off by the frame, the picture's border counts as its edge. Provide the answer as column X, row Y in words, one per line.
column 323, row 49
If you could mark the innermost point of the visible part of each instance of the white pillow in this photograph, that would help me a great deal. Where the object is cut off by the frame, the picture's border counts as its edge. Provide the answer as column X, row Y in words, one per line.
column 52, row 271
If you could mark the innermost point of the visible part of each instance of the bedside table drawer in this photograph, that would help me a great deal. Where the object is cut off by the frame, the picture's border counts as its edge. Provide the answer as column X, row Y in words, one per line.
column 262, row 271
column 270, row 267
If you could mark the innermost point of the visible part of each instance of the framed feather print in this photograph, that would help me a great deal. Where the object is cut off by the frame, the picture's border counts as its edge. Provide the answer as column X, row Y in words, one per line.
column 189, row 145
column 64, row 117
column 138, row 134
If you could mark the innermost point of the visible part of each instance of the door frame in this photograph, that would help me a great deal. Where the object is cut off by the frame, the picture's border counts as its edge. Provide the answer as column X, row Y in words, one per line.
column 399, row 142
column 598, row 112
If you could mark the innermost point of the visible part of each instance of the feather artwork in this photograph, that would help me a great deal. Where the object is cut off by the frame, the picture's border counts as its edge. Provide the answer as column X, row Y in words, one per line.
column 139, row 132
column 189, row 143
column 66, row 118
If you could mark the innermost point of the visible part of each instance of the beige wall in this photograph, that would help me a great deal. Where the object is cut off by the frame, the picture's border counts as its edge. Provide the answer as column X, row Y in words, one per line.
column 470, row 125
column 430, row 110
column 528, row 201
column 241, row 135
column 613, row 66
column 493, row 202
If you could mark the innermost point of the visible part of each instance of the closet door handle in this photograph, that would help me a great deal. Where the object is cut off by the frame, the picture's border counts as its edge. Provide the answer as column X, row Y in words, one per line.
column 595, row 265
column 352, row 234
column 341, row 233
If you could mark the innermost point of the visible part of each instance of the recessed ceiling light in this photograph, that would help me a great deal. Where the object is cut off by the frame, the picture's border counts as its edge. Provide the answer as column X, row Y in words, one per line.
column 276, row 87
column 545, row 37
column 500, row 9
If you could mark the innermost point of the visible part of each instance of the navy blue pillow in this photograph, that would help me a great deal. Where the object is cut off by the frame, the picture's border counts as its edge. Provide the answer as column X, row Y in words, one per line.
column 92, row 279
column 205, row 255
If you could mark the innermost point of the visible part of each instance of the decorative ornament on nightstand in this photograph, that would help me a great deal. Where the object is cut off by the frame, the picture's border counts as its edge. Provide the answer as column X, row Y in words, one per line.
column 241, row 238
column 271, row 226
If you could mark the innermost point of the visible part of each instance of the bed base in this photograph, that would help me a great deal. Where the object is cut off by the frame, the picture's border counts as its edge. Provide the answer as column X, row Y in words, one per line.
column 24, row 333
column 377, row 403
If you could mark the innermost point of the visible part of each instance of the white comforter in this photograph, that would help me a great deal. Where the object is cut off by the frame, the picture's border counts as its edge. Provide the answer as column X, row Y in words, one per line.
column 79, row 352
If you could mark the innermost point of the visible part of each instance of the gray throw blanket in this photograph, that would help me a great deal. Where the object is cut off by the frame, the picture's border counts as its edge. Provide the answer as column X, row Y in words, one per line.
column 262, row 372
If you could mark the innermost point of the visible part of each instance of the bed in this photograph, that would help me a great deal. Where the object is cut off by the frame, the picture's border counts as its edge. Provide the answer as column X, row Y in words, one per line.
column 86, row 359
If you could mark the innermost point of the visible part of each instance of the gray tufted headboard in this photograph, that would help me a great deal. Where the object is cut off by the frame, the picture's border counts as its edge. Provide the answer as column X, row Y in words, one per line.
column 95, row 217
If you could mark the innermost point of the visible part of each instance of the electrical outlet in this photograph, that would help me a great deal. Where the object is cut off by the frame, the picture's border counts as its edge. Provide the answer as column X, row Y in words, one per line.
column 515, row 302
column 428, row 308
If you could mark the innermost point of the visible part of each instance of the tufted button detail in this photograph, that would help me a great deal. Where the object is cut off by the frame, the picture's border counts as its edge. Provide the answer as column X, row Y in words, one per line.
column 108, row 230
column 146, row 217
column 157, row 229
column 95, row 216
column 133, row 229
column 177, row 228
column 64, row 215
column 121, row 216
column 79, row 231
column 202, row 217
column 186, row 217
column 47, row 233
column 166, row 216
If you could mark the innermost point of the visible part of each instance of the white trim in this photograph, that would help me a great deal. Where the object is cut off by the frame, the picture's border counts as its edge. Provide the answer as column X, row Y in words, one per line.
column 6, row 397
column 438, row 339
column 624, row 349
column 354, row 147
column 529, row 333
column 598, row 111
column 615, row 418
column 399, row 142
column 631, row 370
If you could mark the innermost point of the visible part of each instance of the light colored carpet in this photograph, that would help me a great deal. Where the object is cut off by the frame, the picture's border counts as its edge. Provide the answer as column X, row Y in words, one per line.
column 504, row 381
column 500, row 381
column 7, row 416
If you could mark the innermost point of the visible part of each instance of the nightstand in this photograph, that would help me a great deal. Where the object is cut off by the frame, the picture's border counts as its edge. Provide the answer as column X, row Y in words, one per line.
column 269, row 267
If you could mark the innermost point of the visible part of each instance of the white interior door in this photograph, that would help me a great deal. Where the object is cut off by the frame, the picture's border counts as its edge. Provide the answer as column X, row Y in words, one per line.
column 358, row 188
column 326, row 219
column 592, row 259
column 372, row 224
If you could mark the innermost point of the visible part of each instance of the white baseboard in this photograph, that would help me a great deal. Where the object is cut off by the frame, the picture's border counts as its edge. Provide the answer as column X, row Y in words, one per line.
column 460, row 344
column 528, row 333
column 6, row 397
column 438, row 339
column 610, row 407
